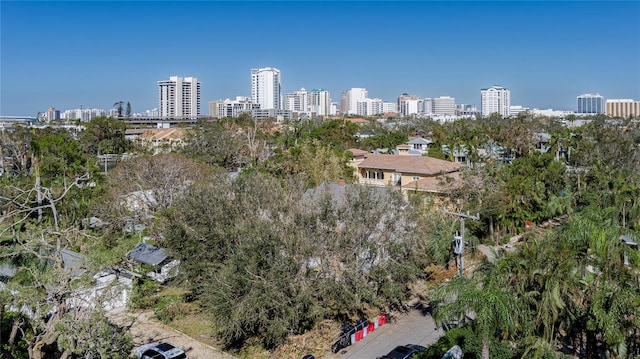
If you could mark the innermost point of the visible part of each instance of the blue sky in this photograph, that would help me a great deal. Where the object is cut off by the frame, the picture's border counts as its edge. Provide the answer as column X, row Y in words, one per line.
column 91, row 53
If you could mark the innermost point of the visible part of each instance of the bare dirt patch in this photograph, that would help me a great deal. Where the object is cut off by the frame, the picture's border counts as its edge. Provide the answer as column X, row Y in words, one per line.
column 146, row 329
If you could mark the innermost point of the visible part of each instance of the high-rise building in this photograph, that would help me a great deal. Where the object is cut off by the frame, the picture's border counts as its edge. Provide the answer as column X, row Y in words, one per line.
column 320, row 102
column 52, row 114
column 265, row 88
column 590, row 104
column 370, row 107
column 354, row 96
column 297, row 101
column 625, row 108
column 408, row 105
column 425, row 107
column 179, row 98
column 495, row 99
column 444, row 105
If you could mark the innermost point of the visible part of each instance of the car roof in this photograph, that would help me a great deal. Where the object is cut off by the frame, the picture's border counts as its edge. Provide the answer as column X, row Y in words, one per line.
column 416, row 347
column 165, row 349
column 401, row 351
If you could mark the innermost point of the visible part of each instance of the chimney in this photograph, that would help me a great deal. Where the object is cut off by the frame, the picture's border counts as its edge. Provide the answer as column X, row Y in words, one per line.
column 341, row 182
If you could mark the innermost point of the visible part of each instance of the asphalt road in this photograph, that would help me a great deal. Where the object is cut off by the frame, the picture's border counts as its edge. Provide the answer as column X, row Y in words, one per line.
column 413, row 327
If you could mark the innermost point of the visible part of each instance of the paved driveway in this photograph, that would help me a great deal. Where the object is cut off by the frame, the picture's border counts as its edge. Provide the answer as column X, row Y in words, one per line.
column 413, row 327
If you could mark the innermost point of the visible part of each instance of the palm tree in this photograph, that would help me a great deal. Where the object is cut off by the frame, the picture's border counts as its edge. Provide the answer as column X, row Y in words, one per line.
column 492, row 307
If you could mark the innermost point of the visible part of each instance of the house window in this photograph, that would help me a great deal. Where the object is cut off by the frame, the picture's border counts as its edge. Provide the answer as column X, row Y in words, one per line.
column 376, row 175
column 397, row 179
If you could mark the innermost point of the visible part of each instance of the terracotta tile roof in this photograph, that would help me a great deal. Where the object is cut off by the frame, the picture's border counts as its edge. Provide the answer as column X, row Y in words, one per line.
column 357, row 152
column 409, row 164
column 436, row 183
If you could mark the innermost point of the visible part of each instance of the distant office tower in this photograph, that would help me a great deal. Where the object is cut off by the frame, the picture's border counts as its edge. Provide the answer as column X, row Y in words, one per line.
column 495, row 99
column 354, row 96
column 467, row 110
column 408, row 105
column 444, row 105
column 624, row 108
column 320, row 102
column 590, row 104
column 179, row 97
column 425, row 106
column 297, row 101
column 265, row 88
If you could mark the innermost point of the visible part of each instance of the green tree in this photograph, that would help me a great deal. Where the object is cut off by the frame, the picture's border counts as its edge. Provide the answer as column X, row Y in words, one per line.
column 216, row 143
column 105, row 135
column 494, row 308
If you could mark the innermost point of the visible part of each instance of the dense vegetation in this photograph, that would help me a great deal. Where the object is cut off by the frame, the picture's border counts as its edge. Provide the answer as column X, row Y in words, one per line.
column 272, row 251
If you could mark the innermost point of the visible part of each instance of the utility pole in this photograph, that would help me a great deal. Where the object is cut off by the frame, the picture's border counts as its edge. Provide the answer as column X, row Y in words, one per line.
column 458, row 239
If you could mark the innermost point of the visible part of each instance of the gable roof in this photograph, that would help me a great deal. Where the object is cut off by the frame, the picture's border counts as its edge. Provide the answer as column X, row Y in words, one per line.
column 409, row 164
column 419, row 140
column 148, row 254
column 357, row 152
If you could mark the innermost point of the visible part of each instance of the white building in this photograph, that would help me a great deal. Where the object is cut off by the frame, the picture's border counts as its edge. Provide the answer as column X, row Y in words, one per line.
column 51, row 114
column 495, row 99
column 231, row 108
column 83, row 114
column 370, row 107
column 179, row 98
column 353, row 96
column 425, row 107
column 265, row 88
column 444, row 105
column 466, row 110
column 408, row 105
column 320, row 102
column 297, row 101
column 517, row 109
column 389, row 107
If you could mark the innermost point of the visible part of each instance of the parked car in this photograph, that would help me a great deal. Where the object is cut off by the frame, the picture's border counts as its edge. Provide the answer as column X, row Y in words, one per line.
column 159, row 350
column 403, row 352
column 416, row 347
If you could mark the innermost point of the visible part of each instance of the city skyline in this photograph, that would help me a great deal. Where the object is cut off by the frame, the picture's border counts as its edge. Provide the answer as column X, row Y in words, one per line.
column 546, row 54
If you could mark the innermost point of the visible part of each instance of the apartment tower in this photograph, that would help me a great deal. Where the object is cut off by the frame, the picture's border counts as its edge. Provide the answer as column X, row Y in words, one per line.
column 495, row 99
column 265, row 88
column 179, row 98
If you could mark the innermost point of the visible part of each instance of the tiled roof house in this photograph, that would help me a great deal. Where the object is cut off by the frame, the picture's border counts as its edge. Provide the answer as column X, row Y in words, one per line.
column 418, row 173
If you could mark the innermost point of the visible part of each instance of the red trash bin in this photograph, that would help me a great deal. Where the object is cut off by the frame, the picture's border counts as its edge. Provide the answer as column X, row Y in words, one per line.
column 371, row 327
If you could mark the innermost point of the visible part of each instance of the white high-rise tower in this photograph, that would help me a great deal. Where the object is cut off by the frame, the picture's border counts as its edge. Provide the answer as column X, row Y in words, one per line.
column 495, row 99
column 265, row 88
column 179, row 97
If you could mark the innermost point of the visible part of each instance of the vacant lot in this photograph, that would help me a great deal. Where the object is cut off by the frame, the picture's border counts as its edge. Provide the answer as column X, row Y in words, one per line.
column 146, row 329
